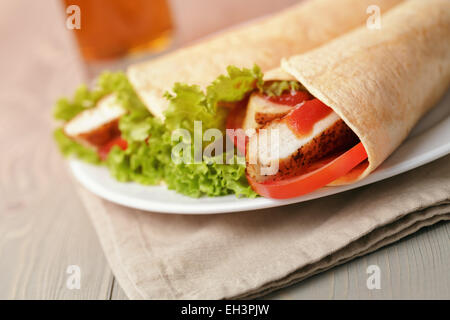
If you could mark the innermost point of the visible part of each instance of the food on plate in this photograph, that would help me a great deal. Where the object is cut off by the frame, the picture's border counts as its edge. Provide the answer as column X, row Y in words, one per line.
column 307, row 134
column 339, row 110
column 264, row 108
column 295, row 30
column 97, row 126
column 369, row 89
column 317, row 175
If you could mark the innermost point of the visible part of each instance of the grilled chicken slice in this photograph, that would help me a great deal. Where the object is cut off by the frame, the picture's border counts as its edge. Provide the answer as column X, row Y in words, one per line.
column 97, row 126
column 261, row 111
column 296, row 152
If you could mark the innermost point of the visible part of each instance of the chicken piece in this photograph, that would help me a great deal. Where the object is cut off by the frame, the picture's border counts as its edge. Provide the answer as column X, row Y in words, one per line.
column 296, row 152
column 97, row 126
column 261, row 111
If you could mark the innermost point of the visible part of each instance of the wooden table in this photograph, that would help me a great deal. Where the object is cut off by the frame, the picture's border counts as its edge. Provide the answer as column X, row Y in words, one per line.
column 43, row 225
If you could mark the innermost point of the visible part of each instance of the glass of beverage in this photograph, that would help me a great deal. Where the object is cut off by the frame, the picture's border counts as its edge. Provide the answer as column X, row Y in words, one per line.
column 111, row 29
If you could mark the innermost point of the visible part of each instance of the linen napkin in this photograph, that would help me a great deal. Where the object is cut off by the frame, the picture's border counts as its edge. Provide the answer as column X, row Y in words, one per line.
column 249, row 254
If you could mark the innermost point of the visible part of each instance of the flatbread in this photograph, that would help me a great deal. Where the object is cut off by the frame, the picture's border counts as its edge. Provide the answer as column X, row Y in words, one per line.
column 381, row 82
column 295, row 30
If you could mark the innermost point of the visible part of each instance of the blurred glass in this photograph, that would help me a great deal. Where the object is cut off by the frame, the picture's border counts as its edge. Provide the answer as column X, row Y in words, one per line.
column 112, row 29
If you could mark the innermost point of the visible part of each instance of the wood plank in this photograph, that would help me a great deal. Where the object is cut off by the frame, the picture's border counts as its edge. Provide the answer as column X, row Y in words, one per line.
column 416, row 267
column 43, row 225
column 117, row 292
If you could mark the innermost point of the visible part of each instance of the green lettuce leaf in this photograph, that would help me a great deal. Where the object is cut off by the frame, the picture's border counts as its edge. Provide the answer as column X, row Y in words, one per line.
column 277, row 88
column 69, row 147
column 147, row 160
column 117, row 83
column 83, row 99
column 209, row 178
column 234, row 86
column 140, row 163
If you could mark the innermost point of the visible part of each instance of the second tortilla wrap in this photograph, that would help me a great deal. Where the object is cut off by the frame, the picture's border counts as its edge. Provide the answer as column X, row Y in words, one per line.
column 293, row 31
column 381, row 82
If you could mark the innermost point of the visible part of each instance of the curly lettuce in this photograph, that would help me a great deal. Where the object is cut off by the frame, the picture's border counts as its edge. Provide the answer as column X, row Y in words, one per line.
column 277, row 88
column 84, row 99
column 234, row 86
column 69, row 147
column 147, row 160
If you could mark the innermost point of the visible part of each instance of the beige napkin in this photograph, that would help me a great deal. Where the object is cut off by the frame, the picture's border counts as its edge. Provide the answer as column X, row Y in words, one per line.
column 245, row 255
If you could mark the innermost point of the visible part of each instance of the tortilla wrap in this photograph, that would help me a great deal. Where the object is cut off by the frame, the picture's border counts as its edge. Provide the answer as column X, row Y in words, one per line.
column 381, row 82
column 292, row 31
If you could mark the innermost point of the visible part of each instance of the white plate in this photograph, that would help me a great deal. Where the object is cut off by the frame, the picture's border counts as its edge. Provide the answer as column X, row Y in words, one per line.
column 429, row 141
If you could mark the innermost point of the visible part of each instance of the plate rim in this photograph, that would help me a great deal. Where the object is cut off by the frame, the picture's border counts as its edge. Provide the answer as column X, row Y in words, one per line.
column 252, row 204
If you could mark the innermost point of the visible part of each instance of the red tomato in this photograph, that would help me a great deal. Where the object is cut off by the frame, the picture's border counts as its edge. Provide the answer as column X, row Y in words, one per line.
column 236, row 117
column 289, row 99
column 104, row 150
column 303, row 118
column 297, row 186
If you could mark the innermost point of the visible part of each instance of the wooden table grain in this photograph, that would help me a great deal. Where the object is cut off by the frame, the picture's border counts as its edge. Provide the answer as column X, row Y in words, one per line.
column 44, row 228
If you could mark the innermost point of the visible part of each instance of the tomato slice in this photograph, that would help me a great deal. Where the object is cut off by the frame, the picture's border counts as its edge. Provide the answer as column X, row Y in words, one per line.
column 104, row 150
column 236, row 117
column 306, row 183
column 304, row 117
column 289, row 99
